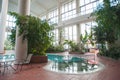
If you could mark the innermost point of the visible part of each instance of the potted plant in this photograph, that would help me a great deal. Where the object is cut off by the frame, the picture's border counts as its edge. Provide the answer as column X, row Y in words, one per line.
column 85, row 39
column 73, row 47
column 38, row 33
column 40, row 38
column 55, row 49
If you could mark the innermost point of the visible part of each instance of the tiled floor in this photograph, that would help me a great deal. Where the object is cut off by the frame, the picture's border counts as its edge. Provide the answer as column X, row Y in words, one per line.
column 110, row 72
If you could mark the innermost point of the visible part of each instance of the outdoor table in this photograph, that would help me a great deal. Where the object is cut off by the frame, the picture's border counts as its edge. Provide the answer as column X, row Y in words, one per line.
column 5, row 63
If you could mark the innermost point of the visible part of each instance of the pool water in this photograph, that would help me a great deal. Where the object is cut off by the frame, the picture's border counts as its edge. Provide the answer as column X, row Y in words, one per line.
column 71, row 65
column 7, row 56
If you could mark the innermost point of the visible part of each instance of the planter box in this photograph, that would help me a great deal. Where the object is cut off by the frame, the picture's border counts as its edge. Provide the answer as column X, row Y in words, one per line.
column 39, row 59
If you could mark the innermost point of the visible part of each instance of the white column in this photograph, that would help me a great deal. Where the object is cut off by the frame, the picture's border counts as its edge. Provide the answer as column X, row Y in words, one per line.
column 78, row 33
column 60, row 37
column 21, row 46
column 78, row 24
column 77, row 7
column 3, row 24
column 24, row 7
column 59, row 11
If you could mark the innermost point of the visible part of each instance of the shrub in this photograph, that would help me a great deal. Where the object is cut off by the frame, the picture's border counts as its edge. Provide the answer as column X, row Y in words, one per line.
column 113, row 52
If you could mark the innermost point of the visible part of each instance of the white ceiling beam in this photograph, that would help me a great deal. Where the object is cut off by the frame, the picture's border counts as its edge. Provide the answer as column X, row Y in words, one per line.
column 41, row 5
column 34, row 12
column 14, row 3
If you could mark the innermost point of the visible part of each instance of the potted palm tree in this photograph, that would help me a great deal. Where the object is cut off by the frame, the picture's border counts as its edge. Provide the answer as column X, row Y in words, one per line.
column 37, row 32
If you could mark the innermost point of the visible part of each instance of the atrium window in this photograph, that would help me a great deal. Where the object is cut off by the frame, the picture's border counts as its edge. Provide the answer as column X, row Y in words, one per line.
column 55, row 32
column 70, row 33
column 43, row 17
column 114, row 2
column 68, row 10
column 53, row 16
column 88, row 6
column 10, row 23
column 87, row 27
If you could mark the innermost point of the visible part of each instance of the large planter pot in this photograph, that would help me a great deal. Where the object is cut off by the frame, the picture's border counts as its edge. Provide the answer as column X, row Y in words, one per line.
column 39, row 59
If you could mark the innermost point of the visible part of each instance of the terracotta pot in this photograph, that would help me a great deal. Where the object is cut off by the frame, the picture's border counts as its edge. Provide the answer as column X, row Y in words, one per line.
column 39, row 59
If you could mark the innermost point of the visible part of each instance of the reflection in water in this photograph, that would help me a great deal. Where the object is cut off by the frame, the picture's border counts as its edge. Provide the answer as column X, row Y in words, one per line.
column 68, row 64
column 73, row 66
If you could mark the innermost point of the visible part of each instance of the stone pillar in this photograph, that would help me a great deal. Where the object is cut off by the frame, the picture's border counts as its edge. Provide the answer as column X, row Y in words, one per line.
column 3, row 24
column 21, row 46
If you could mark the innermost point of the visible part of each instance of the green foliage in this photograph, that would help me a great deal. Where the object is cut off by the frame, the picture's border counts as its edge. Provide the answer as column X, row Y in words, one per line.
column 8, row 45
column 73, row 46
column 85, row 39
column 12, row 36
column 113, row 52
column 61, row 38
column 108, row 28
column 40, row 38
column 37, row 32
column 57, row 48
column 21, row 22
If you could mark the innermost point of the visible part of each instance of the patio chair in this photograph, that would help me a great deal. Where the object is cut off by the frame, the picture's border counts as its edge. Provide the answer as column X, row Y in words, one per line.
column 24, row 62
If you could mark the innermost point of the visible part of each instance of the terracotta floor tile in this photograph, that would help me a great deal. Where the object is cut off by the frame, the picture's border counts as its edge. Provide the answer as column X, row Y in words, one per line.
column 110, row 72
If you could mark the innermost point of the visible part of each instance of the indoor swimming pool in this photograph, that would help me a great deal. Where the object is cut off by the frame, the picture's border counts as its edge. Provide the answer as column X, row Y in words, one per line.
column 71, row 64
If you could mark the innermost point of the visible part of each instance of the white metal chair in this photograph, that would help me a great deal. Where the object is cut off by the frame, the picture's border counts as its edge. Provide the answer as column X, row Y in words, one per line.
column 24, row 62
